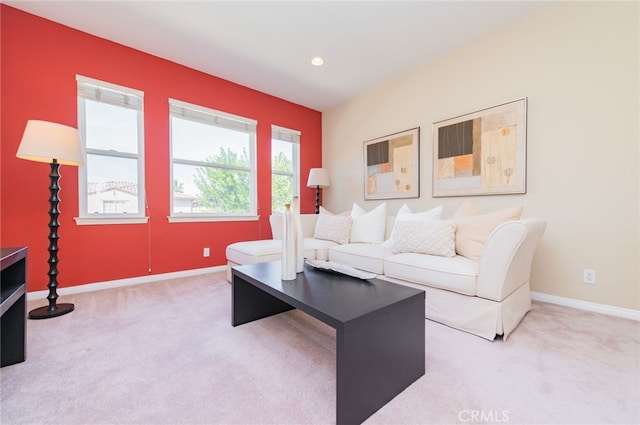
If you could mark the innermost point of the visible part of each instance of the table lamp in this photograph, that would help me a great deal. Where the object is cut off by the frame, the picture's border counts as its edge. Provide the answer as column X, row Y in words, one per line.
column 318, row 177
column 55, row 144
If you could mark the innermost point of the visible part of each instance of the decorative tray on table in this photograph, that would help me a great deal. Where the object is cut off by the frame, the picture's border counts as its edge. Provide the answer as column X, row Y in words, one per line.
column 332, row 266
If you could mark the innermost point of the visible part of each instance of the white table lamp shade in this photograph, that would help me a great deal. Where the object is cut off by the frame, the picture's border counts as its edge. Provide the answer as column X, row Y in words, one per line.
column 45, row 141
column 318, row 177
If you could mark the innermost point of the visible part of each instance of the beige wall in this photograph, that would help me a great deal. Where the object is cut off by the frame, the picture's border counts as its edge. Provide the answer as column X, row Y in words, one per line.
column 578, row 65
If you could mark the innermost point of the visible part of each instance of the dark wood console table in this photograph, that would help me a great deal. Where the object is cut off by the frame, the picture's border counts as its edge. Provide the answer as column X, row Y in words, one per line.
column 13, row 310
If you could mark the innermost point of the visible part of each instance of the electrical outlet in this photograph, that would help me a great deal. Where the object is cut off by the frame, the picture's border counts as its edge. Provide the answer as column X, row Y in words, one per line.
column 205, row 252
column 589, row 276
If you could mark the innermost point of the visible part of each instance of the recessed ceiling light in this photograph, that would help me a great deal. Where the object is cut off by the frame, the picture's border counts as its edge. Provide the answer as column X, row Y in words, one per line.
column 317, row 61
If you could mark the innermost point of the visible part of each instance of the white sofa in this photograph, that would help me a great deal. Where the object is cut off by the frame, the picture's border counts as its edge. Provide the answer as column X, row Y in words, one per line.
column 486, row 298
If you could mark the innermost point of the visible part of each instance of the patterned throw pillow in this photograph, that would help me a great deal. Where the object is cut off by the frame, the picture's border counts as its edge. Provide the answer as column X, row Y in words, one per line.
column 336, row 228
column 405, row 214
column 434, row 237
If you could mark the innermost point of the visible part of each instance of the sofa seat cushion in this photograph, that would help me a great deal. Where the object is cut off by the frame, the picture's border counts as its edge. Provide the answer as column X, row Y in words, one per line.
column 457, row 274
column 320, row 248
column 363, row 256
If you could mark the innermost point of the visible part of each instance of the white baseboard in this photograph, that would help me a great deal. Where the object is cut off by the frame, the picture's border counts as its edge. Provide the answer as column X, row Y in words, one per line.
column 36, row 295
column 625, row 313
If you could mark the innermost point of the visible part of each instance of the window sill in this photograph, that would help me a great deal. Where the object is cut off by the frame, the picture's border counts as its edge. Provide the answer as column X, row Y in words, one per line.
column 90, row 221
column 210, row 218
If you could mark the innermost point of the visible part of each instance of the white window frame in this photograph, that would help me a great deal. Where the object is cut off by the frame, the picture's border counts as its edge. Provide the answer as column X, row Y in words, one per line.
column 90, row 88
column 292, row 136
column 217, row 118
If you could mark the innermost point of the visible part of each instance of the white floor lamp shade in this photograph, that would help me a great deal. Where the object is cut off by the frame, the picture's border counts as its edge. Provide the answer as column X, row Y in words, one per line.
column 318, row 178
column 45, row 141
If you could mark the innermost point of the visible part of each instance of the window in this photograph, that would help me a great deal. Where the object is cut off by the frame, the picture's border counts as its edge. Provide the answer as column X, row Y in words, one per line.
column 110, row 121
column 212, row 164
column 285, row 167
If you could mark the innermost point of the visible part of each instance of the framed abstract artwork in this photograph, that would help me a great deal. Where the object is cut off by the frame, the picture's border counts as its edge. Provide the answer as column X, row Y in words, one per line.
column 481, row 153
column 392, row 166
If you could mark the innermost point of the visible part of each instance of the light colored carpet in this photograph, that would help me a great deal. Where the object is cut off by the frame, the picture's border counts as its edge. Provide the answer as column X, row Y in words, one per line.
column 166, row 353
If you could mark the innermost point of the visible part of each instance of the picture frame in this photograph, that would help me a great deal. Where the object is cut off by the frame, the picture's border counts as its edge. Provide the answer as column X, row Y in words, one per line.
column 481, row 153
column 392, row 166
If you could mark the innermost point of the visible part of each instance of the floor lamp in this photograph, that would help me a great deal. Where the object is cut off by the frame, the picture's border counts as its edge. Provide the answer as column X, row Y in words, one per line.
column 318, row 178
column 55, row 144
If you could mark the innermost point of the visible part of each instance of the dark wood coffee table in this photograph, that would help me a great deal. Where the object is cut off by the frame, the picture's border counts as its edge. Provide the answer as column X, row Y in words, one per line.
column 380, row 339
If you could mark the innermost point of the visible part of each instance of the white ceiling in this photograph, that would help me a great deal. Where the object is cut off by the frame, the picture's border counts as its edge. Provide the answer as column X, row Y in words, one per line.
column 268, row 45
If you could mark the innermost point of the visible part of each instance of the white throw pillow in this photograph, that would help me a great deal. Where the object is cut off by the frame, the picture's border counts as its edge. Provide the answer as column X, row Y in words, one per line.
column 330, row 227
column 432, row 214
column 434, row 237
column 368, row 227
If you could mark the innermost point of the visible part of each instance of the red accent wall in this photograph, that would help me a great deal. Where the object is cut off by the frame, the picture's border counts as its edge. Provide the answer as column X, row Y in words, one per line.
column 40, row 60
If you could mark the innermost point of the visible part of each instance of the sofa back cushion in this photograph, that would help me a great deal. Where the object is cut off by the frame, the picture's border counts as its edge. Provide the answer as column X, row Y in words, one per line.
column 388, row 228
column 308, row 222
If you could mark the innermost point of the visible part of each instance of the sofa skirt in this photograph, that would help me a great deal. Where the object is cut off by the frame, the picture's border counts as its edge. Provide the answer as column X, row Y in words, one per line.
column 478, row 316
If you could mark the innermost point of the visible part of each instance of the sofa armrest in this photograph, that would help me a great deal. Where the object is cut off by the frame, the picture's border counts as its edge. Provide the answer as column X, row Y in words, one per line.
column 507, row 257
column 308, row 225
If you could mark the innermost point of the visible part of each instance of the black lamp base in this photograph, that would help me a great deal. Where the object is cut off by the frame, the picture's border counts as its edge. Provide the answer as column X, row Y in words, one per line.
column 46, row 312
column 53, row 309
